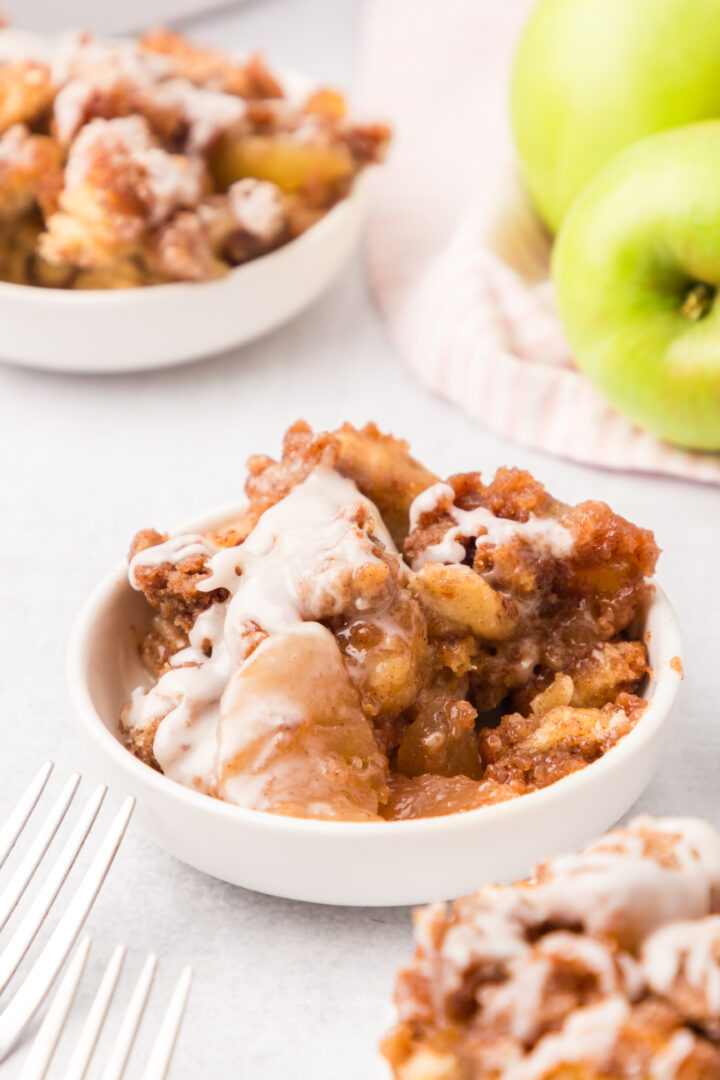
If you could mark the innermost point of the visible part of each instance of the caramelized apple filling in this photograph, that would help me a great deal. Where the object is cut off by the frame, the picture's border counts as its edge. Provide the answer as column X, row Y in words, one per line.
column 140, row 162
column 605, row 965
column 368, row 642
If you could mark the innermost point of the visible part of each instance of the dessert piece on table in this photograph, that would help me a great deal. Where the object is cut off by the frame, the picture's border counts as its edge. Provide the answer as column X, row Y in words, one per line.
column 605, row 964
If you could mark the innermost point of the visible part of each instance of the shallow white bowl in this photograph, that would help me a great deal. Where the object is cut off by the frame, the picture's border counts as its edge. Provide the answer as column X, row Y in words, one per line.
column 115, row 330
column 402, row 862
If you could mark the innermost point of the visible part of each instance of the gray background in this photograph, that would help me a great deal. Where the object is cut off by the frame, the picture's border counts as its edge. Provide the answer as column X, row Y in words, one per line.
column 282, row 989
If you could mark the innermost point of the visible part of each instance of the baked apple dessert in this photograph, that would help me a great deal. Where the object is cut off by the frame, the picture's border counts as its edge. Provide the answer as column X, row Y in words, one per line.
column 605, row 965
column 137, row 162
column 368, row 641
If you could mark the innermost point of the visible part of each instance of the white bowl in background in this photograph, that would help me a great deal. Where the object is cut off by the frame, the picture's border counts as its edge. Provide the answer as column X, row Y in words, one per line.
column 116, row 330
column 353, row 863
column 103, row 18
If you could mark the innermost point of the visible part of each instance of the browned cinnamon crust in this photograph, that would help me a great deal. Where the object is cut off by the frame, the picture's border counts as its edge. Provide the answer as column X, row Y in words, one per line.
column 379, row 464
column 555, row 739
column 610, row 668
column 269, row 480
column 173, row 588
column 139, row 741
column 162, row 639
column 483, row 679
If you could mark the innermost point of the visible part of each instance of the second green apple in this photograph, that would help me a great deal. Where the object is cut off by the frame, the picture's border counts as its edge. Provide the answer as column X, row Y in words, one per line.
column 636, row 267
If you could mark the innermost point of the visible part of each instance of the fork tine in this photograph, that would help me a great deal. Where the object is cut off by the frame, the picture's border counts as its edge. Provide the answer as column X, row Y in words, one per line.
column 46, row 1040
column 13, row 891
column 25, row 933
column 17, row 820
column 41, row 976
column 83, row 1052
column 131, row 1022
column 162, row 1051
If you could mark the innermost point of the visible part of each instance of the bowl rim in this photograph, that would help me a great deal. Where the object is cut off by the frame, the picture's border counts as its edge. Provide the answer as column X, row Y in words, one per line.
column 12, row 291
column 667, row 681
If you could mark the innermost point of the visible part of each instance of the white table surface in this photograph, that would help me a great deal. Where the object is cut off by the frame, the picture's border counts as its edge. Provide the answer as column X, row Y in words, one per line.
column 281, row 989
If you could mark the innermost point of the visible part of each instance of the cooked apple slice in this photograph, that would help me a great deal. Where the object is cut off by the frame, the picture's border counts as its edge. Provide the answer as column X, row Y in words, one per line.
column 292, row 738
column 294, row 166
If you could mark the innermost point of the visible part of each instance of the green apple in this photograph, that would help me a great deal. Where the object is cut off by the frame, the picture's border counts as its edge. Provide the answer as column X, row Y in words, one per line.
column 636, row 267
column 594, row 76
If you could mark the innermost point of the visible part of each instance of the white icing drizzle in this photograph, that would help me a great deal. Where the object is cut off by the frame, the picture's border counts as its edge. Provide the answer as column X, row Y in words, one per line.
column 298, row 561
column 173, row 550
column 484, row 526
column 187, row 698
column 118, row 138
column 588, row 1036
column 438, row 495
column 487, row 930
column 690, row 949
column 257, row 207
column 173, row 181
column 14, row 144
column 615, row 886
column 297, row 565
column 170, row 181
column 632, row 975
column 86, row 67
column 516, row 1004
column 69, row 108
column 667, row 1063
column 207, row 113
column 703, row 841
column 489, row 938
column 620, row 886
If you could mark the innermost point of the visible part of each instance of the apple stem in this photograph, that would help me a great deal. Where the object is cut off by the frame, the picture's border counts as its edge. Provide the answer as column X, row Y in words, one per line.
column 698, row 301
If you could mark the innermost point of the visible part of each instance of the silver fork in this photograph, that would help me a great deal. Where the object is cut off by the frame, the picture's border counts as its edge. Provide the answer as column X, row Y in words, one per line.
column 44, row 1046
column 27, row 999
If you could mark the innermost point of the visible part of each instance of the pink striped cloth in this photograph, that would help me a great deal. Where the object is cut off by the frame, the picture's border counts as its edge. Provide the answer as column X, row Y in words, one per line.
column 458, row 261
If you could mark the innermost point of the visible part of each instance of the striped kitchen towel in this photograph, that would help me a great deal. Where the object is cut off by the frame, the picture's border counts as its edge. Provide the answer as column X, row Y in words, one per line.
column 457, row 259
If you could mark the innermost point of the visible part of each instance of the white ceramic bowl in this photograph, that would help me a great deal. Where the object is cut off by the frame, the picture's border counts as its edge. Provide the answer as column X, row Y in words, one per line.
column 403, row 862
column 114, row 330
